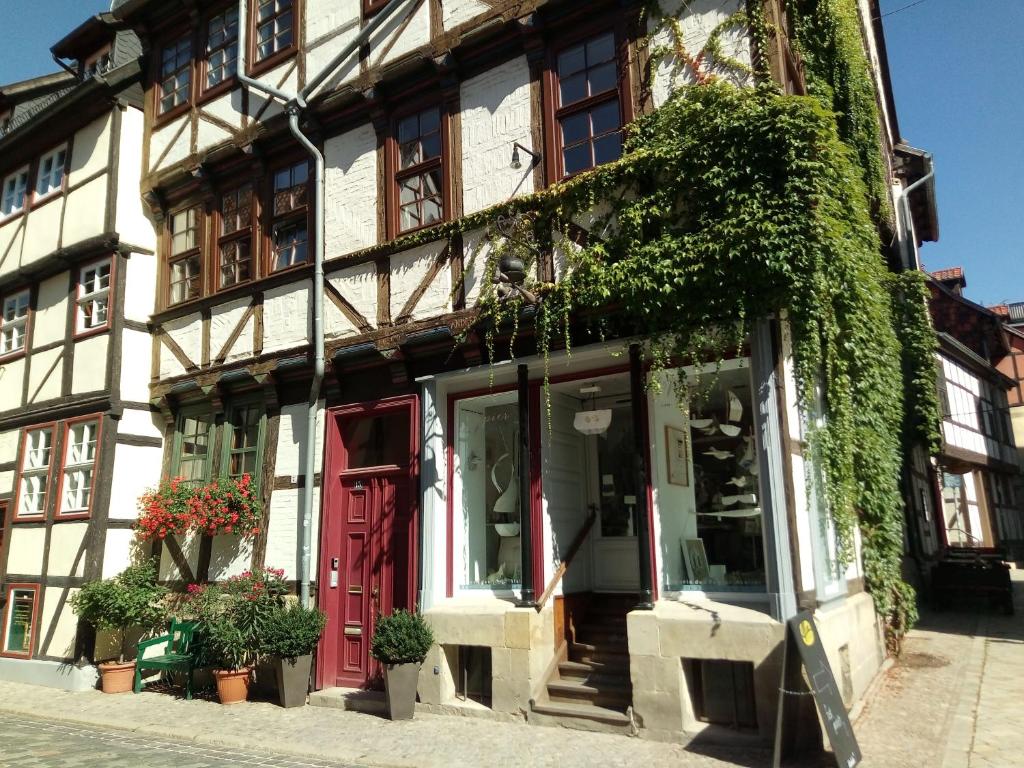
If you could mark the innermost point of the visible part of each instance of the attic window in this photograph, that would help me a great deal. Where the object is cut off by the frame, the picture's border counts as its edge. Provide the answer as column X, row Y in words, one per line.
column 98, row 63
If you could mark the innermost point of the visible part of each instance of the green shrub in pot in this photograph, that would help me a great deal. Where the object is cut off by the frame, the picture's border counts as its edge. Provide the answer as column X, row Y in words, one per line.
column 290, row 637
column 400, row 643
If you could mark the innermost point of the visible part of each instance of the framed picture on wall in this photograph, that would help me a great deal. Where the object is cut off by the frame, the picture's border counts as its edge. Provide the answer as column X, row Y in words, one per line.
column 696, row 560
column 677, row 451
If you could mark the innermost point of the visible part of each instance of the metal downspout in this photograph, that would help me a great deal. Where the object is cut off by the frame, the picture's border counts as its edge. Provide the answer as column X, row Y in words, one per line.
column 909, row 262
column 295, row 105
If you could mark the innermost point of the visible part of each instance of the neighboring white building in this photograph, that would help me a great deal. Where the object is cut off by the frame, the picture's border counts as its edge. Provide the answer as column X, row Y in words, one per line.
column 78, row 439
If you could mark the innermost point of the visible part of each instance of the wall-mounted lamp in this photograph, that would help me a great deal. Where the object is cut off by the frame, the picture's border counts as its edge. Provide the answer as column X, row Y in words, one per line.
column 517, row 162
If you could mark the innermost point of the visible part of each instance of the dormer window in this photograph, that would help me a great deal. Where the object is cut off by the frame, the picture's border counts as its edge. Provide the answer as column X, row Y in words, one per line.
column 50, row 176
column 97, row 64
column 15, row 191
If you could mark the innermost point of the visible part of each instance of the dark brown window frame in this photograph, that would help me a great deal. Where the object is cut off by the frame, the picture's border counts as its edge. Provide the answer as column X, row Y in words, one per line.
column 84, row 333
column 394, row 176
column 552, row 110
column 370, row 7
column 257, row 66
column 272, row 220
column 200, row 248
column 161, row 117
column 202, row 57
column 220, row 238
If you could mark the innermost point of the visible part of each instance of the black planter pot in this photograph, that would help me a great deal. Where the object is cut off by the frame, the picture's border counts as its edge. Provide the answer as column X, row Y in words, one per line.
column 400, row 685
column 292, row 680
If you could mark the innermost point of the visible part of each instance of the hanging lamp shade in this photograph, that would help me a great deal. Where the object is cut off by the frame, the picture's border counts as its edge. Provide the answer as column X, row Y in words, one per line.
column 593, row 422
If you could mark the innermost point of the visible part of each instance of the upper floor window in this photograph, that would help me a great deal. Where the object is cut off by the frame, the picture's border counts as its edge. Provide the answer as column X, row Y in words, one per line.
column 80, row 442
column 289, row 231
column 222, row 47
column 275, row 27
column 419, row 173
column 185, row 257
column 35, row 473
column 94, row 296
column 175, row 74
column 244, row 442
column 234, row 246
column 588, row 112
column 50, row 176
column 193, row 439
column 14, row 322
column 14, row 193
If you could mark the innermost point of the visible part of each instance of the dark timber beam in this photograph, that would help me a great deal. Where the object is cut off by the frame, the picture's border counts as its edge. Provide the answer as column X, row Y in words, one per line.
column 638, row 392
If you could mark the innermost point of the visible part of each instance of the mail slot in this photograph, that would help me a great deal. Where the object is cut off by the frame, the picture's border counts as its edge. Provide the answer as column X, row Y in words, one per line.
column 355, row 589
column 353, row 631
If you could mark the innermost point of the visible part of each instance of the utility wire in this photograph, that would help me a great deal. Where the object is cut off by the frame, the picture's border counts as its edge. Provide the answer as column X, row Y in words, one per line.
column 898, row 10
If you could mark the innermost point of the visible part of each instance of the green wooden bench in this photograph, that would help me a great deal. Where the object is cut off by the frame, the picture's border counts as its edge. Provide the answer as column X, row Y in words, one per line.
column 179, row 654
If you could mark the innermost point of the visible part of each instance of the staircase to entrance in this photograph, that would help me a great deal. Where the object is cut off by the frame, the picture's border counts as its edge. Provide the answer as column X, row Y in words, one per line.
column 590, row 687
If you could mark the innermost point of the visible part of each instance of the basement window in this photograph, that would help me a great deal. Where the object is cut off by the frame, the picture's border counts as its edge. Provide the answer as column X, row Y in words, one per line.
column 473, row 674
column 722, row 692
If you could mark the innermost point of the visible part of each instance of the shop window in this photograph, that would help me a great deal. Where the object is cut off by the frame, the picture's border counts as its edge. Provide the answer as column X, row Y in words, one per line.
column 486, row 489
column 94, row 296
column 175, row 74
column 81, row 440
column 275, row 27
column 244, row 441
column 222, row 47
column 20, row 616
column 14, row 193
column 473, row 674
column 235, row 244
column 722, row 692
column 14, row 322
column 419, row 173
column 290, row 234
column 830, row 581
column 185, row 266
column 50, row 175
column 376, row 441
column 192, row 445
column 588, row 112
column 35, row 473
column 727, row 553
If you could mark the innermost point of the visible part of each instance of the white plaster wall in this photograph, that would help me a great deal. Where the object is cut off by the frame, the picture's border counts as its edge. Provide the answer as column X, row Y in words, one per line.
column 136, row 468
column 187, row 332
column 9, row 445
column 12, row 235
column 138, row 422
column 25, row 551
column 67, row 557
column 209, row 135
column 476, row 249
column 190, row 549
column 391, row 42
column 42, row 224
column 283, row 535
column 169, row 144
column 11, row 380
column 228, row 107
column 91, row 151
column 408, row 269
column 132, row 218
column 495, row 114
column 229, row 556
column 62, row 642
column 351, row 193
column 45, row 373
column 136, row 351
column 456, row 12
column 86, row 212
column 359, row 287
column 117, row 551
column 7, row 482
column 286, row 317
column 291, row 438
column 51, row 315
column 285, row 78
column 223, row 320
column 140, row 286
column 330, row 26
column 89, row 372
column 697, row 21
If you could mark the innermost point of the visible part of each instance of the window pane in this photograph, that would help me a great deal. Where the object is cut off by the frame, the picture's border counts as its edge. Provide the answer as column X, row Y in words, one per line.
column 605, row 117
column 430, row 121
column 607, row 149
column 193, row 451
column 289, row 245
column 576, row 158
column 408, row 128
column 571, row 61
column 575, row 128
column 185, row 279
column 601, row 49
column 572, row 89
column 235, row 263
column 376, row 441
column 431, row 146
column 19, row 621
column 602, row 78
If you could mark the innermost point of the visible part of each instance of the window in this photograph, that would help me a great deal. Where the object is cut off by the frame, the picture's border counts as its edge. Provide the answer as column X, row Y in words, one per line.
column 588, row 113
column 35, row 474
column 50, row 176
column 222, row 47
column 191, row 459
column 97, row 64
column 829, row 578
column 80, row 447
column 94, row 296
column 175, row 74
column 15, row 191
column 19, row 623
column 244, row 441
column 275, row 23
column 185, row 256
column 14, row 323
column 289, row 233
column 234, row 247
column 372, row 6
column 419, row 173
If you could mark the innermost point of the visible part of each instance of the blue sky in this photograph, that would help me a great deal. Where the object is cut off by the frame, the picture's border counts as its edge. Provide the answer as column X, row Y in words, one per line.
column 956, row 69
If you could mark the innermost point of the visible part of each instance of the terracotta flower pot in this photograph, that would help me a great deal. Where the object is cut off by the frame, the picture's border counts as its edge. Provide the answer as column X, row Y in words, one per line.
column 116, row 677
column 232, row 684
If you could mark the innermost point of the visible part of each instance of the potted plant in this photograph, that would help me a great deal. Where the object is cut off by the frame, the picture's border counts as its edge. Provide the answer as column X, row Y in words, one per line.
column 290, row 638
column 128, row 601
column 400, row 643
column 233, row 616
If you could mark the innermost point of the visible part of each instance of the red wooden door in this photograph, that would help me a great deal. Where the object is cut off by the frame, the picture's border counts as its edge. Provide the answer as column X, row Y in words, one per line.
column 368, row 543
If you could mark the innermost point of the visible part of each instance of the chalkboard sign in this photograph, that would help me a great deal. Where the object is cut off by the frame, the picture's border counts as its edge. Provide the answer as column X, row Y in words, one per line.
column 804, row 643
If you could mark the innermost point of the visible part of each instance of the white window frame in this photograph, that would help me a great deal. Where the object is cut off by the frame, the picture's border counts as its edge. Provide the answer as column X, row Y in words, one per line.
column 93, row 294
column 15, row 187
column 14, row 317
column 36, row 463
column 78, row 468
column 51, row 172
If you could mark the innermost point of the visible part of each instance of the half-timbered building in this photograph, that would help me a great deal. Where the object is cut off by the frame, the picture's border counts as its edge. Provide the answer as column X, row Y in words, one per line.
column 77, row 273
